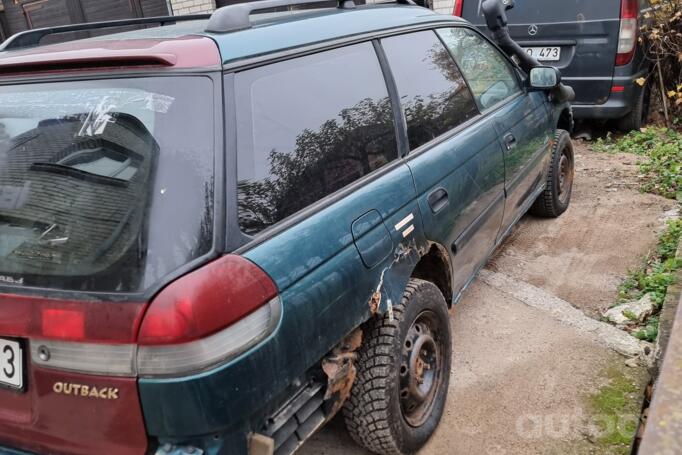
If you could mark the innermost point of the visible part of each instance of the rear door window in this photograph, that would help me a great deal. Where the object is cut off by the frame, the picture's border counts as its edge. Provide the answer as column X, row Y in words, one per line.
column 489, row 74
column 306, row 128
column 433, row 93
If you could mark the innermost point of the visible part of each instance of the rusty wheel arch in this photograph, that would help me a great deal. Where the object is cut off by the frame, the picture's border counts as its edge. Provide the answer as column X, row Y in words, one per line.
column 434, row 266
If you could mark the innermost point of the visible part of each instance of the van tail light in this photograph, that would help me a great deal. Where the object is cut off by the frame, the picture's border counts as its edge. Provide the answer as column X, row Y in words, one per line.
column 627, row 38
column 457, row 10
column 204, row 318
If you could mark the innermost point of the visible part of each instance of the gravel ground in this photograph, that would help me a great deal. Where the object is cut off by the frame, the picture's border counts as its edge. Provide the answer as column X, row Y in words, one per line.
column 519, row 376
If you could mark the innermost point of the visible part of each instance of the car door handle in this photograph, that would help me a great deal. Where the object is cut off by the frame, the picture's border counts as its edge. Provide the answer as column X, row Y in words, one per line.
column 438, row 200
column 509, row 141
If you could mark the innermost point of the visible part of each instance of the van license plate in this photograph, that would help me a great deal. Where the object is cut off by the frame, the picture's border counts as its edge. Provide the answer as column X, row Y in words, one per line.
column 11, row 364
column 547, row 54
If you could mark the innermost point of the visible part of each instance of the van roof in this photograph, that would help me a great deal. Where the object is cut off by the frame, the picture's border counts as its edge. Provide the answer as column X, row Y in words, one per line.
column 268, row 33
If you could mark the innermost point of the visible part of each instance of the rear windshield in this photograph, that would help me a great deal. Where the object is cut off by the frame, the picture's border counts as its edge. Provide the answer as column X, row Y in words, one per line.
column 105, row 186
column 548, row 11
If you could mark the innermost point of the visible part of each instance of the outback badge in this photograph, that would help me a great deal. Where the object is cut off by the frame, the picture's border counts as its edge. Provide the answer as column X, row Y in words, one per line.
column 81, row 390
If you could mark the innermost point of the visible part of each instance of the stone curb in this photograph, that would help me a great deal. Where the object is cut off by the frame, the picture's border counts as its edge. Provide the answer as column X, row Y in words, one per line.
column 663, row 429
column 606, row 334
column 667, row 316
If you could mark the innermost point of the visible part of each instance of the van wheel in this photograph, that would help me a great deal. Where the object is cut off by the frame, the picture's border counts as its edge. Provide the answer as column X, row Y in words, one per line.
column 403, row 374
column 557, row 195
column 640, row 112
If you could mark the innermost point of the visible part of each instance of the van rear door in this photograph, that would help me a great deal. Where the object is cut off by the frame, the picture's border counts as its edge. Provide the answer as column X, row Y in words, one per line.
column 580, row 37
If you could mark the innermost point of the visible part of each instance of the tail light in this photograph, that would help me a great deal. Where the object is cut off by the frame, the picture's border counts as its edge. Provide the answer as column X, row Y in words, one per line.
column 197, row 322
column 207, row 317
column 627, row 38
column 457, row 10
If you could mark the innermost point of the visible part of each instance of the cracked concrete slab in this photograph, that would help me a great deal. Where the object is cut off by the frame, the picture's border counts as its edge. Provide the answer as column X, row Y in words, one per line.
column 606, row 334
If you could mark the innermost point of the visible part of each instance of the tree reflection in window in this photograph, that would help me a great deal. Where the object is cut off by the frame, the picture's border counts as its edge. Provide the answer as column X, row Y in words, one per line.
column 315, row 161
column 324, row 161
column 317, row 124
column 433, row 92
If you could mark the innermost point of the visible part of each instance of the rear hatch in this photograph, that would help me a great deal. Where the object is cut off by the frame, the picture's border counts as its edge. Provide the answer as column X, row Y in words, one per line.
column 106, row 193
column 578, row 36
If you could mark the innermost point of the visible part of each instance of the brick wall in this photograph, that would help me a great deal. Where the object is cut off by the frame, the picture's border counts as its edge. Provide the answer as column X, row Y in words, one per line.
column 443, row 6
column 439, row 6
column 181, row 7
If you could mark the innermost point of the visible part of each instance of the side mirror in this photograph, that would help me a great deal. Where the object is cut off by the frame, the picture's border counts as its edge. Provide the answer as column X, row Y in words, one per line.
column 544, row 78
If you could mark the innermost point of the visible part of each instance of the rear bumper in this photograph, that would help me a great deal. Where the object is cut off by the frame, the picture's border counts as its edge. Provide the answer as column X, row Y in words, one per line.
column 618, row 105
column 54, row 415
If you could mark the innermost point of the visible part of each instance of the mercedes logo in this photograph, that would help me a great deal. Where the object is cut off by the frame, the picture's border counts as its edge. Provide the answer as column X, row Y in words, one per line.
column 533, row 30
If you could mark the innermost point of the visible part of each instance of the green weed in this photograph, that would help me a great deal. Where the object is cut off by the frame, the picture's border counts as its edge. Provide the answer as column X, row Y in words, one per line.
column 661, row 163
column 654, row 277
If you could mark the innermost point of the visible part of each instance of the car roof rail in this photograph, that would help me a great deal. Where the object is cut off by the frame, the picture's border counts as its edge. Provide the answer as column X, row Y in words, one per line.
column 237, row 17
column 32, row 38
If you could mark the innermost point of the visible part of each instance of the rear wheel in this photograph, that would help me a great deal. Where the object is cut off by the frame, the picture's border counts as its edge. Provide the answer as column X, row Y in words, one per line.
column 640, row 112
column 403, row 373
column 556, row 197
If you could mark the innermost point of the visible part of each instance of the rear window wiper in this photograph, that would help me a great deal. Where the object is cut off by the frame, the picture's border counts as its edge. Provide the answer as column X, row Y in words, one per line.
column 78, row 174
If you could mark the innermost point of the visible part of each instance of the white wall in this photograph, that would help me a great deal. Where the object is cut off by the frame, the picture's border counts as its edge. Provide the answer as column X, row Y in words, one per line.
column 439, row 6
column 181, row 7
column 443, row 6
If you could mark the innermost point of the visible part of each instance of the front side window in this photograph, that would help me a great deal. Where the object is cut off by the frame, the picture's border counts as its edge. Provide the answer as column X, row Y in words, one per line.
column 105, row 186
column 306, row 128
column 489, row 74
column 432, row 91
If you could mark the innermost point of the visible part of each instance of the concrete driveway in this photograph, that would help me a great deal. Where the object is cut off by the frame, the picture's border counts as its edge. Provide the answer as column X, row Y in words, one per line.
column 523, row 370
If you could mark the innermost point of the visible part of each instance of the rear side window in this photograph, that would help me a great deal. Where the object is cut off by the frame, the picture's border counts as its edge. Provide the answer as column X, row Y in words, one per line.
column 432, row 91
column 306, row 128
column 489, row 74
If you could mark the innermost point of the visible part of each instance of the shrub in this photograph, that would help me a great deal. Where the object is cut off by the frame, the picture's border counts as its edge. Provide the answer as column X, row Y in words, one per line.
column 662, row 36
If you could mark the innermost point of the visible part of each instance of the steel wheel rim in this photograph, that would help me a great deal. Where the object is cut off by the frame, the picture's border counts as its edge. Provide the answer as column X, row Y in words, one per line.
column 565, row 176
column 421, row 372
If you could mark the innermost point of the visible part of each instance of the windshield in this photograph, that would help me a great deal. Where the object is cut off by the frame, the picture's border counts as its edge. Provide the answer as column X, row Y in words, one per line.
column 105, row 186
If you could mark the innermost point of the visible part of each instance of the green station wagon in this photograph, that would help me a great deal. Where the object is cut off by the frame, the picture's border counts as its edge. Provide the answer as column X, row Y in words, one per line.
column 217, row 234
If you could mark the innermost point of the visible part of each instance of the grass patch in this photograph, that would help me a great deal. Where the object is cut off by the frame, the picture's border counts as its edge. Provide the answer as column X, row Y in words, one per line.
column 615, row 411
column 661, row 163
column 654, row 276
column 650, row 331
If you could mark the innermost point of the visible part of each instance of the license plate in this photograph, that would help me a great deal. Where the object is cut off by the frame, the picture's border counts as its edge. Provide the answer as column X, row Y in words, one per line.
column 11, row 364
column 548, row 54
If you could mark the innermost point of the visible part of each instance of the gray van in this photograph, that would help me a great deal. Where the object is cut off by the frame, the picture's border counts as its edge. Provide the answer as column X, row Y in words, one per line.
column 595, row 45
